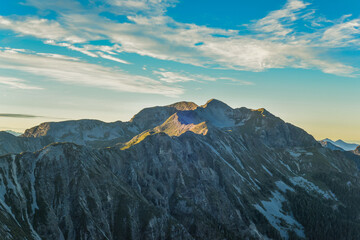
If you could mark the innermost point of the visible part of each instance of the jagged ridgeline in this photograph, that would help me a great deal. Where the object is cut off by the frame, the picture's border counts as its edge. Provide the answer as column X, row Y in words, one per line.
column 181, row 171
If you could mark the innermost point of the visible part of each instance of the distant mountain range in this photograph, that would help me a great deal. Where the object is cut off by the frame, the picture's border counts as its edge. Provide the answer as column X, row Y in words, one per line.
column 330, row 145
column 340, row 144
column 13, row 132
column 180, row 171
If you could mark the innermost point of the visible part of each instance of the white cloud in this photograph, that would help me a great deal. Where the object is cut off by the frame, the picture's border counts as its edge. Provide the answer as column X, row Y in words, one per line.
column 54, row 5
column 109, row 57
column 71, row 47
column 277, row 22
column 39, row 28
column 58, row 56
column 343, row 34
column 17, row 83
column 135, row 7
column 12, row 50
column 172, row 77
column 273, row 42
column 81, row 73
column 88, row 50
column 166, row 39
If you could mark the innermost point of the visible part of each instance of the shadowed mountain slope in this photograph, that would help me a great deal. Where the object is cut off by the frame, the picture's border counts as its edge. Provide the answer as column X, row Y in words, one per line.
column 200, row 172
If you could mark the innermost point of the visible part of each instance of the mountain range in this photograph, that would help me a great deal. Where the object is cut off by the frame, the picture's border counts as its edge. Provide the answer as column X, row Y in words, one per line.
column 329, row 145
column 13, row 132
column 339, row 144
column 180, row 171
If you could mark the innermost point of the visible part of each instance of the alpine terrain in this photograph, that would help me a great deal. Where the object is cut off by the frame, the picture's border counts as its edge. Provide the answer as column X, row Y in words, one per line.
column 344, row 146
column 181, row 171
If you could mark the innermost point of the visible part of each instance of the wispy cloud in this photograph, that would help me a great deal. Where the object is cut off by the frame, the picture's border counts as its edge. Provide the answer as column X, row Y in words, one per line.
column 173, row 77
column 71, row 47
column 109, row 57
column 17, row 83
column 16, row 115
column 152, row 7
column 81, row 73
column 39, row 28
column 58, row 56
column 343, row 34
column 278, row 22
column 89, row 50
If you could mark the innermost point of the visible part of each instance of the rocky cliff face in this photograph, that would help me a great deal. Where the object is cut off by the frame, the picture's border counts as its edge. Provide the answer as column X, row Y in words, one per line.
column 198, row 172
column 357, row 150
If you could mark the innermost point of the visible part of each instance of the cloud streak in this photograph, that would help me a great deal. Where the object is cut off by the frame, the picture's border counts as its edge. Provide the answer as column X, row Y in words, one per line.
column 174, row 77
column 39, row 28
column 82, row 73
column 17, row 83
column 17, row 115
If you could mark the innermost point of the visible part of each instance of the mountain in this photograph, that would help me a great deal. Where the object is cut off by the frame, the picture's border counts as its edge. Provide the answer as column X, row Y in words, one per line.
column 12, row 144
column 341, row 144
column 181, row 171
column 330, row 145
column 87, row 132
column 13, row 132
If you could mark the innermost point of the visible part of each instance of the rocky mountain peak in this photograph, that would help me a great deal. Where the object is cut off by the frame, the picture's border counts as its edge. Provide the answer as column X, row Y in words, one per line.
column 184, row 106
column 214, row 103
column 263, row 112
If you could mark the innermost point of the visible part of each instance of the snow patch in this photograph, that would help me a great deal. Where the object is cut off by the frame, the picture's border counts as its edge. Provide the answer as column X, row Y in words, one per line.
column 283, row 186
column 228, row 164
column 294, row 154
column 311, row 187
column 230, row 151
column 3, row 191
column 285, row 165
column 272, row 210
column 237, row 189
column 266, row 170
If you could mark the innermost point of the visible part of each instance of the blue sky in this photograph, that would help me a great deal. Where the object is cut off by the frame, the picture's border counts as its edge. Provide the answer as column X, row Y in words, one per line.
column 108, row 59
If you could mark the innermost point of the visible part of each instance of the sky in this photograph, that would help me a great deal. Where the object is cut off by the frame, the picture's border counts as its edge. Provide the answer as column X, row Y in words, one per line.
column 108, row 59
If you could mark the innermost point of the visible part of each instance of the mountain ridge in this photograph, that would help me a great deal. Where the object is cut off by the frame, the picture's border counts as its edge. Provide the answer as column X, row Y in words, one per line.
column 341, row 144
column 209, row 172
column 101, row 134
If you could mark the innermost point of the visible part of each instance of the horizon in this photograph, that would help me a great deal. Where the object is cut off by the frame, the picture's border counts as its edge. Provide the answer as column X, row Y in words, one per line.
column 107, row 60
